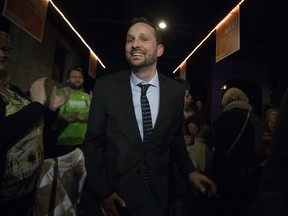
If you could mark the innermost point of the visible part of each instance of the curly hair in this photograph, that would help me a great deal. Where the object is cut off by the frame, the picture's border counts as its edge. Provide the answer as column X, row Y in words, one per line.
column 233, row 94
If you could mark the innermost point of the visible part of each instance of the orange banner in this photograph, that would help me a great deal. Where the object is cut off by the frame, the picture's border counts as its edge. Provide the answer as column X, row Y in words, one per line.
column 183, row 70
column 228, row 35
column 92, row 65
column 30, row 15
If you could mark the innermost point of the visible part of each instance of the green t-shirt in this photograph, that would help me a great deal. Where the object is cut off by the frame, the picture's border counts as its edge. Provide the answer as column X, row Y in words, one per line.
column 73, row 133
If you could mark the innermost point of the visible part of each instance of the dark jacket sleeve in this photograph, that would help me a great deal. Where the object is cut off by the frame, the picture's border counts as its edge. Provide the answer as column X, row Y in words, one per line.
column 14, row 126
column 50, row 116
column 179, row 153
column 93, row 145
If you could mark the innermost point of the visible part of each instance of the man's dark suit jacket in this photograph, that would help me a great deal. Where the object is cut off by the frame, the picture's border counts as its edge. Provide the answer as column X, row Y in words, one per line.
column 113, row 149
column 272, row 197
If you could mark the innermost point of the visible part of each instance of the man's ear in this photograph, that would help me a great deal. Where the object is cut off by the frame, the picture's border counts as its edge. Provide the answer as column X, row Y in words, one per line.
column 160, row 50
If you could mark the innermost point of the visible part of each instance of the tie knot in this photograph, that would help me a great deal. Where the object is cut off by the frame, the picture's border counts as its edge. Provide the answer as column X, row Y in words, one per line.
column 144, row 88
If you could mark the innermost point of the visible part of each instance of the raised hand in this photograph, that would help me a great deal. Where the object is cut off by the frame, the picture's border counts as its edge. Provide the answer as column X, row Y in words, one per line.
column 37, row 91
column 56, row 101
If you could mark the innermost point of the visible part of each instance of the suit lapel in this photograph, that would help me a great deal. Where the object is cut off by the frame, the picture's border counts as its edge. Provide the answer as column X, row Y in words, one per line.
column 163, row 104
column 128, row 108
column 129, row 112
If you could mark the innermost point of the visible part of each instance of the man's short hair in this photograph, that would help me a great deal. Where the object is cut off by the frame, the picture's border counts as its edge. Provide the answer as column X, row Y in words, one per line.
column 77, row 69
column 158, row 34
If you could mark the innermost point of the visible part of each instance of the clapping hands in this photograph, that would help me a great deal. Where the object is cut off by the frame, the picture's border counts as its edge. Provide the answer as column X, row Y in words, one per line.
column 57, row 101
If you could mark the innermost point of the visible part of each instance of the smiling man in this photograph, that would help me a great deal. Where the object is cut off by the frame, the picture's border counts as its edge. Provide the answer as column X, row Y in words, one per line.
column 128, row 162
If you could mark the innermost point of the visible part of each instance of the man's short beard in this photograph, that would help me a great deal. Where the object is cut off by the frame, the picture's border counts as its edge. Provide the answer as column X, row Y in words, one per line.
column 73, row 86
column 148, row 61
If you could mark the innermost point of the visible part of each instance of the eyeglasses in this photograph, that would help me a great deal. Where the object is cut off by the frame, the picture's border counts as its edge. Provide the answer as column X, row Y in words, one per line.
column 6, row 49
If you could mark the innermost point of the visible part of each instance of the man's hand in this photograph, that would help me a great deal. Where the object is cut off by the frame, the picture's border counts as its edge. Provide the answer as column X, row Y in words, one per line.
column 78, row 117
column 202, row 183
column 109, row 207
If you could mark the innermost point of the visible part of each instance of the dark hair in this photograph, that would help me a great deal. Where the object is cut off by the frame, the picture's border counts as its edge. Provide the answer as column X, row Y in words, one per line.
column 77, row 69
column 158, row 34
column 196, row 119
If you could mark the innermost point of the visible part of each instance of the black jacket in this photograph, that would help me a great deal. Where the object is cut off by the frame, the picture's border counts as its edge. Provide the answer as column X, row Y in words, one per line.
column 237, row 174
column 113, row 149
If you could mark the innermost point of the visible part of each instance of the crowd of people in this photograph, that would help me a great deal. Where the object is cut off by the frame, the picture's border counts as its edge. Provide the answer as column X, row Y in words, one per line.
column 143, row 145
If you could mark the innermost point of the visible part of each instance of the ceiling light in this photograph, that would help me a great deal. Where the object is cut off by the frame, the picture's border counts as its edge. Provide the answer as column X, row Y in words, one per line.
column 162, row 25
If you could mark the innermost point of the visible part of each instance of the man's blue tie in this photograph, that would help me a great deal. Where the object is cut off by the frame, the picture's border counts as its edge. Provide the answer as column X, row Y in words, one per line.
column 147, row 128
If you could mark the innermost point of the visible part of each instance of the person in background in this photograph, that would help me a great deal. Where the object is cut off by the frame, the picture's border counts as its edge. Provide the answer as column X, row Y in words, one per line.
column 271, row 197
column 200, row 153
column 268, row 127
column 187, row 110
column 72, row 119
column 178, row 192
column 188, row 105
column 200, row 108
column 128, row 174
column 236, row 162
column 22, row 127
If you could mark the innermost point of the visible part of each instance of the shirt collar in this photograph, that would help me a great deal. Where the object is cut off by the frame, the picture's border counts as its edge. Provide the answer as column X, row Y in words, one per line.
column 135, row 80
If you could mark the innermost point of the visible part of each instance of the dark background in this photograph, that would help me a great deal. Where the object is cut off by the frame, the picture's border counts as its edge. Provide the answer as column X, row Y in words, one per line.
column 103, row 24
column 263, row 35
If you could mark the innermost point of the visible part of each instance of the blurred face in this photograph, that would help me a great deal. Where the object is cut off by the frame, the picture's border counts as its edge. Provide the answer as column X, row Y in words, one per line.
column 273, row 115
column 188, row 100
column 141, row 47
column 186, row 94
column 193, row 129
column 4, row 55
column 272, row 118
column 75, row 80
column 5, row 50
column 198, row 105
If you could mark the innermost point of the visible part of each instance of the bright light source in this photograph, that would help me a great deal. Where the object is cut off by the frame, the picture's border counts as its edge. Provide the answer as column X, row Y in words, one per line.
column 162, row 25
column 224, row 87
